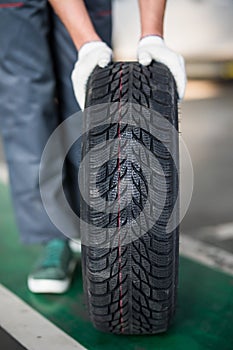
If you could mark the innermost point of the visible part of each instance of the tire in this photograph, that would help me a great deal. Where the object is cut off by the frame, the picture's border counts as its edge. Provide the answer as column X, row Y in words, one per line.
column 130, row 287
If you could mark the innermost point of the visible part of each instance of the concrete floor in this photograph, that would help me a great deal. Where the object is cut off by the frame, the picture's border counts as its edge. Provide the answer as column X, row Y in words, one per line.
column 207, row 127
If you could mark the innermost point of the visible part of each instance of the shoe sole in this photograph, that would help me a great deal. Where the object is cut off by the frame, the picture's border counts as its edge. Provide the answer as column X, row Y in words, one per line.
column 50, row 286
column 75, row 246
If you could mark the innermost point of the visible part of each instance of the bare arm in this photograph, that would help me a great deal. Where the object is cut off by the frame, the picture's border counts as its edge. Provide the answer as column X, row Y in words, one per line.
column 74, row 15
column 152, row 16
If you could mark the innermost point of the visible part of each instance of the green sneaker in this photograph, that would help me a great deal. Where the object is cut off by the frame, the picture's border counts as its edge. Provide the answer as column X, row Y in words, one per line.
column 53, row 270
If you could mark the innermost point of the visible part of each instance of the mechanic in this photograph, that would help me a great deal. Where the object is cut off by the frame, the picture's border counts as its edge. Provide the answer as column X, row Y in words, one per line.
column 38, row 58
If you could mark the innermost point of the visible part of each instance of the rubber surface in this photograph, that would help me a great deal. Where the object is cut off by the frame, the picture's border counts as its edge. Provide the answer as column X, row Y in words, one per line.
column 130, row 278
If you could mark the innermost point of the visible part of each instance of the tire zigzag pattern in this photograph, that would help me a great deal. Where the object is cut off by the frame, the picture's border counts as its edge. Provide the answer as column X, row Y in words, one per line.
column 149, row 263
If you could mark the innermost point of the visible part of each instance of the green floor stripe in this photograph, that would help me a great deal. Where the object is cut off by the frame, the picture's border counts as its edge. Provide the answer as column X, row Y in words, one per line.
column 204, row 316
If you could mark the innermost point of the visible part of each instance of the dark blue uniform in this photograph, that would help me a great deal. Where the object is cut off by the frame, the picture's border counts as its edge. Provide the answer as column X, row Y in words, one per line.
column 36, row 60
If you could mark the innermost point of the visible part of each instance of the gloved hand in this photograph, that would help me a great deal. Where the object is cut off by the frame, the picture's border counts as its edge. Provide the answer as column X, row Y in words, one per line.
column 153, row 47
column 90, row 55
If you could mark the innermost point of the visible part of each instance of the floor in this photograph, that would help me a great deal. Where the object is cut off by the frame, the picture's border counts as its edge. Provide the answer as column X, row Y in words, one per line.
column 207, row 126
column 8, row 342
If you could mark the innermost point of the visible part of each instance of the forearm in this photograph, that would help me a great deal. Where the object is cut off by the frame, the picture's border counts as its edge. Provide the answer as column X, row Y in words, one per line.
column 74, row 15
column 152, row 17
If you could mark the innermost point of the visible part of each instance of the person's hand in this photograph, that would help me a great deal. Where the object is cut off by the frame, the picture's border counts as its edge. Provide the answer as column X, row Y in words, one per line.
column 153, row 47
column 90, row 55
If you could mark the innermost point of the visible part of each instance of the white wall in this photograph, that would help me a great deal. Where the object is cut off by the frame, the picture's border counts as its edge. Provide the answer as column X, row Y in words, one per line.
column 195, row 28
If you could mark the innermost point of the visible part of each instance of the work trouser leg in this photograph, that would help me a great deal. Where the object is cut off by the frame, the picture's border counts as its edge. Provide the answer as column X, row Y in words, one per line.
column 28, row 113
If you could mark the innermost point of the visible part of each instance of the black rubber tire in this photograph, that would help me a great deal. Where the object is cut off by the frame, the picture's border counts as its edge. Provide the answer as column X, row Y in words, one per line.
column 131, row 289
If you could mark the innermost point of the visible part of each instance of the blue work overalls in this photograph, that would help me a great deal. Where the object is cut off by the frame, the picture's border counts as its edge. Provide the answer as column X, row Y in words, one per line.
column 36, row 60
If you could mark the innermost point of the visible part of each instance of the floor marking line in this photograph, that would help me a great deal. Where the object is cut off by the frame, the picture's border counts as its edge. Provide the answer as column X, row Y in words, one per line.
column 29, row 327
column 224, row 231
column 206, row 254
column 220, row 232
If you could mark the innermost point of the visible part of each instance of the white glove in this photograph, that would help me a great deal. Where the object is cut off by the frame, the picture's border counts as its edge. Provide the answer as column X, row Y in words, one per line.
column 90, row 55
column 153, row 47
